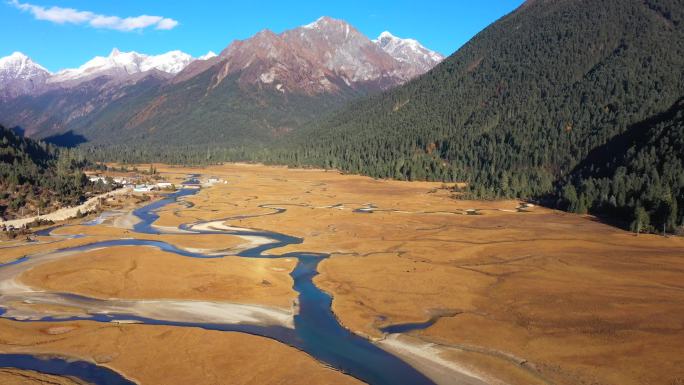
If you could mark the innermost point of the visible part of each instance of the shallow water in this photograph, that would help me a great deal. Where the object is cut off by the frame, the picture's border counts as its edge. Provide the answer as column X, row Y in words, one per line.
column 405, row 328
column 82, row 370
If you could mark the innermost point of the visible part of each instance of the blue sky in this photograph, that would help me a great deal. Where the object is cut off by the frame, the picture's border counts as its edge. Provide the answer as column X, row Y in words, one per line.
column 66, row 33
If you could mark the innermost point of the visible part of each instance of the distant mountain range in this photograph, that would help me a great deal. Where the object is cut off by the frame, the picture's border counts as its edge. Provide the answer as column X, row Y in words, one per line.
column 19, row 75
column 256, row 88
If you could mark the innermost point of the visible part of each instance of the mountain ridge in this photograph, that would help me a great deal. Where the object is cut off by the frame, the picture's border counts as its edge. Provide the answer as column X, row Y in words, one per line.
column 282, row 74
column 121, row 64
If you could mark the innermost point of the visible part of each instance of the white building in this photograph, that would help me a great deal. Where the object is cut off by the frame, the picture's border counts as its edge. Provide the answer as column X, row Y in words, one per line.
column 142, row 188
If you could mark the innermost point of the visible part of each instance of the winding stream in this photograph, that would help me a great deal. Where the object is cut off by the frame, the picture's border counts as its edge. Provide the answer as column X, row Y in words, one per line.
column 82, row 370
column 314, row 329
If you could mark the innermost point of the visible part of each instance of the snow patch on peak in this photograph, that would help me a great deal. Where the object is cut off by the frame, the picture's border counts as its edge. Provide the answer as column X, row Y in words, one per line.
column 385, row 35
column 16, row 55
column 408, row 51
column 267, row 77
column 324, row 22
column 207, row 56
column 316, row 23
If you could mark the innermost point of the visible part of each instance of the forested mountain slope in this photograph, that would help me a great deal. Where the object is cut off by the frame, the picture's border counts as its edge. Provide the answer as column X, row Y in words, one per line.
column 34, row 176
column 520, row 105
column 637, row 176
column 198, row 112
column 81, row 108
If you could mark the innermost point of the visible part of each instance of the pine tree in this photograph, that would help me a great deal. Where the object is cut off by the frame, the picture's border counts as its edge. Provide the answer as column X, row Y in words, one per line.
column 641, row 219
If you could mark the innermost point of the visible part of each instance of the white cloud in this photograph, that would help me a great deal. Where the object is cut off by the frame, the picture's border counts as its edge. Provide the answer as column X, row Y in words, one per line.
column 61, row 15
column 167, row 23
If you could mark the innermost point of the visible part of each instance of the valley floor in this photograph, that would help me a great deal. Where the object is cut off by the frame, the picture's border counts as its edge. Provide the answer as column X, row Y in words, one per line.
column 508, row 295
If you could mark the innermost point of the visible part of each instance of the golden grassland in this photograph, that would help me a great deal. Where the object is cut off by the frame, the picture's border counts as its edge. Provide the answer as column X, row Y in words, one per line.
column 135, row 272
column 14, row 250
column 574, row 300
column 168, row 355
column 538, row 296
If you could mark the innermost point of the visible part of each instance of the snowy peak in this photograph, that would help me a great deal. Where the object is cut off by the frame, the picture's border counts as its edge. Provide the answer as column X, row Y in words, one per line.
column 334, row 30
column 319, row 23
column 171, row 62
column 324, row 56
column 408, row 51
column 120, row 64
column 20, row 75
column 20, row 64
column 327, row 55
column 348, row 52
column 207, row 56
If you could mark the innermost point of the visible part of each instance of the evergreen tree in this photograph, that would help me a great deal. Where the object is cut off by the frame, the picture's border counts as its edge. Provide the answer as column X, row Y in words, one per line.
column 641, row 219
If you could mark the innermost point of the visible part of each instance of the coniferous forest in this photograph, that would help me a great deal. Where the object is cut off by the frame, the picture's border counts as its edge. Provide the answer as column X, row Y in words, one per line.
column 637, row 177
column 38, row 177
column 571, row 103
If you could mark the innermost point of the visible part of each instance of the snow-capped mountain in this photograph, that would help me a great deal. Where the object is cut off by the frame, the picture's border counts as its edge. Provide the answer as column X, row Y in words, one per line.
column 265, row 85
column 171, row 62
column 19, row 75
column 409, row 51
column 207, row 56
column 324, row 56
column 341, row 48
column 120, row 64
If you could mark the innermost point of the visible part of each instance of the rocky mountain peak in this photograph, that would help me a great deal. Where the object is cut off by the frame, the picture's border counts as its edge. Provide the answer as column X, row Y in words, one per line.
column 20, row 64
column 409, row 52
column 20, row 75
column 323, row 56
